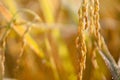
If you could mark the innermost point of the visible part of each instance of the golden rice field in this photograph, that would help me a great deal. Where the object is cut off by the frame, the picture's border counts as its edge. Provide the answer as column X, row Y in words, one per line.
column 59, row 40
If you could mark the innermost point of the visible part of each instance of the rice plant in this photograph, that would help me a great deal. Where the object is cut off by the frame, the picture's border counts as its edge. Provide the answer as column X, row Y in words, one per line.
column 59, row 40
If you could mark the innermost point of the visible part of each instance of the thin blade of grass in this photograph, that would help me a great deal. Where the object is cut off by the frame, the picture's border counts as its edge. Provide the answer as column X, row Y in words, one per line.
column 110, row 62
column 47, row 8
column 10, row 4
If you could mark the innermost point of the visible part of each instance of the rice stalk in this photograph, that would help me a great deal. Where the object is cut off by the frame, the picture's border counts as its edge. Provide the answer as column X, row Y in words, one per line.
column 102, row 48
column 92, row 32
column 98, row 41
column 47, row 9
column 20, row 31
column 22, row 48
column 2, row 50
column 80, row 40
column 51, row 58
column 49, row 18
column 96, row 22
column 2, row 60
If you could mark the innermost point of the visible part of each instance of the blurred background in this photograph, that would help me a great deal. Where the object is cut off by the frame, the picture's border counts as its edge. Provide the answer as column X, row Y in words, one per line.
column 41, row 43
